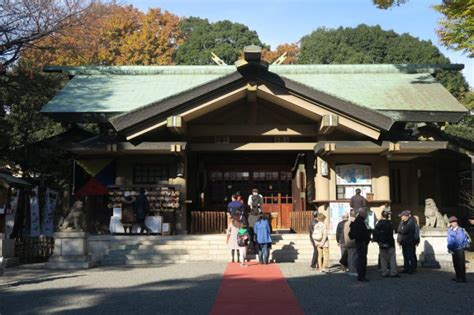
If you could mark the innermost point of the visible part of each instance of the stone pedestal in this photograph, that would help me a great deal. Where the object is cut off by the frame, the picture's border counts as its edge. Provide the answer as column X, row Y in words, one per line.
column 70, row 251
column 7, row 251
column 433, row 248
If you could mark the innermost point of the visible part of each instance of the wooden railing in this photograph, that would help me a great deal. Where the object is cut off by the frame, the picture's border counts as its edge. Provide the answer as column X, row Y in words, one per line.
column 300, row 220
column 208, row 222
column 34, row 249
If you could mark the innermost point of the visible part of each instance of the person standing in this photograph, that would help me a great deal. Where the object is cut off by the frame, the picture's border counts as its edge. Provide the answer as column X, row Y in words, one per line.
column 243, row 239
column 255, row 203
column 341, row 242
column 406, row 239
column 458, row 240
column 350, row 246
column 358, row 201
column 361, row 235
column 232, row 232
column 263, row 239
column 128, row 212
column 383, row 235
column 142, row 207
column 235, row 207
column 314, row 221
column 320, row 237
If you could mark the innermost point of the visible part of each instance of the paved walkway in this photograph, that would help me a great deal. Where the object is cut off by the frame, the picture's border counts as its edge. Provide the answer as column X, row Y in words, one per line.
column 257, row 289
column 197, row 288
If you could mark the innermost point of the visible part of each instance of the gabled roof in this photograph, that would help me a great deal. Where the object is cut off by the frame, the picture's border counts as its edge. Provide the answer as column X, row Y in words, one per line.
column 393, row 90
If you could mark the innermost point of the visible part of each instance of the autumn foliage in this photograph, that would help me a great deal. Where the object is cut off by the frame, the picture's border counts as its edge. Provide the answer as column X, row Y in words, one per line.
column 112, row 35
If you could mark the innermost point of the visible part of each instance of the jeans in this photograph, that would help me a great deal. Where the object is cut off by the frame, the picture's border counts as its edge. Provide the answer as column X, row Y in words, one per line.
column 263, row 253
column 387, row 256
column 459, row 263
column 361, row 260
column 314, row 260
column 409, row 258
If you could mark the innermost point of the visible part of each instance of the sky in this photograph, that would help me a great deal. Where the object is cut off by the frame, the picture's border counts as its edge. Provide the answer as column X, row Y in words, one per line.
column 286, row 21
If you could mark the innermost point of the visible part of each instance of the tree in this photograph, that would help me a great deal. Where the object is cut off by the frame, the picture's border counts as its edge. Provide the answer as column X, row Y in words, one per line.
column 24, row 23
column 225, row 38
column 22, row 101
column 372, row 44
column 456, row 27
column 113, row 35
column 291, row 50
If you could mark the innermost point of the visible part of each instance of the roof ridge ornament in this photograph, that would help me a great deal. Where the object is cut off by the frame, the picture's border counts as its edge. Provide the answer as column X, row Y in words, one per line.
column 252, row 54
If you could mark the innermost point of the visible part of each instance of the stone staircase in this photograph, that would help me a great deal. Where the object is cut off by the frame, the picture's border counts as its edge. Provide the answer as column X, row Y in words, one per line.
column 151, row 250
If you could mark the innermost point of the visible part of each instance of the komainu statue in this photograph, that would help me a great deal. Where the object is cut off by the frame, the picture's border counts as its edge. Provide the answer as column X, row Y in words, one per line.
column 433, row 217
column 75, row 219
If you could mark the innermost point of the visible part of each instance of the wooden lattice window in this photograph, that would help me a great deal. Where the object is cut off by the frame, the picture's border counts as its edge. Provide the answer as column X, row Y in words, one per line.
column 150, row 173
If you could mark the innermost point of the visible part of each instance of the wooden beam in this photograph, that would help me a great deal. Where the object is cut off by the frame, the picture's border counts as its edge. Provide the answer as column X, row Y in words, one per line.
column 176, row 124
column 253, row 146
column 312, row 110
column 257, row 130
column 198, row 110
column 328, row 124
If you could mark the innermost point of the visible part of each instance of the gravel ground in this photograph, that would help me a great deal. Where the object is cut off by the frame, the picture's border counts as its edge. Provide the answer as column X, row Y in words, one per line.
column 167, row 289
column 192, row 288
column 426, row 292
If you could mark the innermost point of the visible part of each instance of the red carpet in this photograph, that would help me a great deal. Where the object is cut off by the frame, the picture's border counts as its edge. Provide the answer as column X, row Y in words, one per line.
column 257, row 289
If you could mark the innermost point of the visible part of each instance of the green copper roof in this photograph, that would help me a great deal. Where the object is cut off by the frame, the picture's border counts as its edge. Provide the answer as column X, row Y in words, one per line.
column 382, row 88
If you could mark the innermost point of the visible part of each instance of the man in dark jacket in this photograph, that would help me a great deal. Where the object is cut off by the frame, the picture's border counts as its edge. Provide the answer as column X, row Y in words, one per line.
column 383, row 235
column 341, row 241
column 361, row 234
column 141, row 209
column 314, row 221
column 406, row 239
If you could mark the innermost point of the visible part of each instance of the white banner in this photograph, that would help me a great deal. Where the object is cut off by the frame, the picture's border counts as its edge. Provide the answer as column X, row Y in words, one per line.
column 11, row 214
column 336, row 210
column 50, row 201
column 34, row 215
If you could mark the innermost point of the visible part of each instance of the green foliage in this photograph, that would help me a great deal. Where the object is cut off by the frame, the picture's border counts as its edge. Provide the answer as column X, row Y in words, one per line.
column 23, row 94
column 457, row 25
column 386, row 4
column 372, row 44
column 225, row 38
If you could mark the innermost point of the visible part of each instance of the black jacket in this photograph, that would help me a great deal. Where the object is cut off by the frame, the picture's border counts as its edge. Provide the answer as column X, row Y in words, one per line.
column 383, row 234
column 406, row 233
column 314, row 221
column 358, row 231
column 340, row 232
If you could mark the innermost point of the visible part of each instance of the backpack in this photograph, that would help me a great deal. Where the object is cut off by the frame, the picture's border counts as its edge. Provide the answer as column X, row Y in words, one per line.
column 241, row 241
column 417, row 234
column 317, row 233
column 255, row 201
column 467, row 242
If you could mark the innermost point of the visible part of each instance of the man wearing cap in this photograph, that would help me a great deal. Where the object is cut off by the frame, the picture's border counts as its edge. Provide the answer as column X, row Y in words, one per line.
column 457, row 242
column 406, row 239
column 361, row 234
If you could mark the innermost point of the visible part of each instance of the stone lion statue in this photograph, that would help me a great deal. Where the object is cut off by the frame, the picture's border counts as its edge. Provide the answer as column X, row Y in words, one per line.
column 434, row 218
column 75, row 219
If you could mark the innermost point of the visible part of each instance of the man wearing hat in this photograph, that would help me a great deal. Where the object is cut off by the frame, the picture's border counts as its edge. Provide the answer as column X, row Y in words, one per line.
column 407, row 240
column 457, row 242
column 383, row 235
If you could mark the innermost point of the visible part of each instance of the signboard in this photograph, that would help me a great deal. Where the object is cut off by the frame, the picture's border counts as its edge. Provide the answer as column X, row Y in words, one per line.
column 50, row 202
column 336, row 210
column 353, row 174
column 34, row 216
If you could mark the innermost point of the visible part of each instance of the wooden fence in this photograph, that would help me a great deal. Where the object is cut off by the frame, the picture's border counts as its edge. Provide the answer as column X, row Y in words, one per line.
column 34, row 249
column 208, row 222
column 300, row 220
